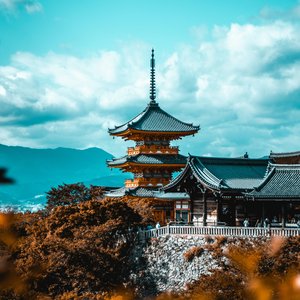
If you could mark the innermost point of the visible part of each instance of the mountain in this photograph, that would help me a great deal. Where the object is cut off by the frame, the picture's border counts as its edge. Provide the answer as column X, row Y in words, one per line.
column 35, row 171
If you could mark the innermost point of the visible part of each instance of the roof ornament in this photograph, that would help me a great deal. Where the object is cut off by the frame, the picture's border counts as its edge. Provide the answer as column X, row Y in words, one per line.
column 152, row 78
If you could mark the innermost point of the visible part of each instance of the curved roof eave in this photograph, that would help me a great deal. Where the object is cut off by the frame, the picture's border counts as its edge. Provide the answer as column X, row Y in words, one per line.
column 207, row 179
column 177, row 179
column 134, row 123
column 211, row 182
column 125, row 125
column 266, row 179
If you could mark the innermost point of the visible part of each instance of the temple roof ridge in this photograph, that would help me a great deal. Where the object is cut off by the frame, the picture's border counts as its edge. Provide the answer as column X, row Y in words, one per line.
column 231, row 160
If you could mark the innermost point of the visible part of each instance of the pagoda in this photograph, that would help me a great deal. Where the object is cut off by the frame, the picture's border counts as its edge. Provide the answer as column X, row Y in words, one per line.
column 152, row 160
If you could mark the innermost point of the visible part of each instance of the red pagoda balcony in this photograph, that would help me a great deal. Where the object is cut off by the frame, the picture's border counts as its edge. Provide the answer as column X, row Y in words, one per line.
column 154, row 149
column 146, row 182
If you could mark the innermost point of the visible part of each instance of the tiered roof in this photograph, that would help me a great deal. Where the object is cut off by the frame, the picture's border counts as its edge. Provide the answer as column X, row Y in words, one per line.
column 155, row 128
column 146, row 192
column 155, row 119
column 221, row 174
column 282, row 182
column 149, row 159
column 136, row 192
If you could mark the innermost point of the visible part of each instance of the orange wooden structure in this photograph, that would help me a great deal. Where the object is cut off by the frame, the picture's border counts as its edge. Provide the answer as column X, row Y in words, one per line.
column 152, row 160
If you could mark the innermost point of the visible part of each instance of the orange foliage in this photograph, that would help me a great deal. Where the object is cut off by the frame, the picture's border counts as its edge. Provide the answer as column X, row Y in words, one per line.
column 257, row 270
column 80, row 249
column 193, row 252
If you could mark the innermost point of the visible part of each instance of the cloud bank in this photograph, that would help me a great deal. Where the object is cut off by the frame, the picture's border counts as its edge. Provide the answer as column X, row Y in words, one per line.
column 242, row 85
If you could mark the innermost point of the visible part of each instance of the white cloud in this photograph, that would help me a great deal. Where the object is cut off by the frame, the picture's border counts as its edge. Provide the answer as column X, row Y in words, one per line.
column 2, row 91
column 242, row 85
column 33, row 7
column 12, row 6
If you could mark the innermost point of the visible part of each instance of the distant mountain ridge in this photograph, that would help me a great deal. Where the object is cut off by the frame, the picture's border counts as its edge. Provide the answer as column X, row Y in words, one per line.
column 35, row 171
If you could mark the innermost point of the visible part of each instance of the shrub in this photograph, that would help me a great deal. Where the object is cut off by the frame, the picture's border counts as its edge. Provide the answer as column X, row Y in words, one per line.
column 209, row 239
column 193, row 252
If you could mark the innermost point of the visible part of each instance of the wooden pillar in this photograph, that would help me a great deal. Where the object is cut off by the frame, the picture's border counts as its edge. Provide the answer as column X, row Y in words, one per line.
column 245, row 204
column 283, row 215
column 234, row 212
column 204, row 208
column 192, row 211
column 219, row 209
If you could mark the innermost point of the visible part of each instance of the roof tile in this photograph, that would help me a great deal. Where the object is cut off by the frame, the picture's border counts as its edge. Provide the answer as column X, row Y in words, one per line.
column 150, row 159
column 282, row 181
column 153, row 118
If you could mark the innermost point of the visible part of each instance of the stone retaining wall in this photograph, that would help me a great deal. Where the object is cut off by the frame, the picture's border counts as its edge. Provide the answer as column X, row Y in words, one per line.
column 160, row 265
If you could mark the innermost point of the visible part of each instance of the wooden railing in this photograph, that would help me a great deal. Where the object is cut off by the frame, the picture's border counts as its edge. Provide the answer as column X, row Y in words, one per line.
column 219, row 231
column 154, row 149
column 131, row 183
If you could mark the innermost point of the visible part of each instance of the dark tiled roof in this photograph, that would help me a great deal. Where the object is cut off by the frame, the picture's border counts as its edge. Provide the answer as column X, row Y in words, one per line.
column 146, row 192
column 143, row 192
column 149, row 159
column 116, row 192
column 224, row 173
column 137, row 192
column 282, row 182
column 175, row 195
column 177, row 179
column 153, row 118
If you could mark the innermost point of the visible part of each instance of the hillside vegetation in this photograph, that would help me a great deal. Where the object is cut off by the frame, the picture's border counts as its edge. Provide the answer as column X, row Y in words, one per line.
column 82, row 249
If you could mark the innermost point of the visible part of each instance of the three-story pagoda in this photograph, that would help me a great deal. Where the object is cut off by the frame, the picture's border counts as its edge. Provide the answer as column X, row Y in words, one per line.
column 152, row 160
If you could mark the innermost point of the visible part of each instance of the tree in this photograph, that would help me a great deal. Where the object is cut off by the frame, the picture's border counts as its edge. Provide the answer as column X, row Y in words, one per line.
column 77, row 248
column 66, row 194
column 96, row 192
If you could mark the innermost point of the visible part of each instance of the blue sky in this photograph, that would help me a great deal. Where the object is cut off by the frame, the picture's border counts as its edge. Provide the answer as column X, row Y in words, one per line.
column 70, row 69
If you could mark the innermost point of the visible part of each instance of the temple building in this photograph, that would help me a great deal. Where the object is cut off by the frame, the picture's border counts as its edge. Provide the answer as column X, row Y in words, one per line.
column 226, row 191
column 216, row 187
column 209, row 190
column 152, row 160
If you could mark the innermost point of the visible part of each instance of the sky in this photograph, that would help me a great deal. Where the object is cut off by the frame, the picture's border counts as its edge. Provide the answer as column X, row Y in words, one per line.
column 71, row 69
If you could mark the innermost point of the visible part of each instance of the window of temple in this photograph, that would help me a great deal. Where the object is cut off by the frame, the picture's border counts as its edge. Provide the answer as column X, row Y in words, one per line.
column 182, row 211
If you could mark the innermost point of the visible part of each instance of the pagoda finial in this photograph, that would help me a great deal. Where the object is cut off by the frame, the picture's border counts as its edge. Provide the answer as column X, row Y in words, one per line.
column 152, row 78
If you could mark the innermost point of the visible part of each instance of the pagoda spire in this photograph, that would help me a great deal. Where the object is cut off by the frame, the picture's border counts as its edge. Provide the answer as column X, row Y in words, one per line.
column 152, row 78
